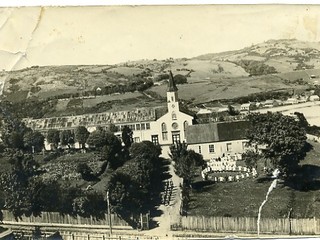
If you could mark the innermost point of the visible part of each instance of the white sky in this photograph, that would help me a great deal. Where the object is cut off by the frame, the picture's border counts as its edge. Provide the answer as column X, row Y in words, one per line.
column 113, row 34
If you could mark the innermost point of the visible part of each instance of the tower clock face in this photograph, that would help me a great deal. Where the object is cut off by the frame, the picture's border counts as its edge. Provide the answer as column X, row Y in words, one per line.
column 174, row 125
column 173, row 105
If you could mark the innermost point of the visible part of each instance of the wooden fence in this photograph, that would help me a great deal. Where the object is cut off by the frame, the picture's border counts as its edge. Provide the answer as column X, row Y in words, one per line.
column 57, row 218
column 248, row 225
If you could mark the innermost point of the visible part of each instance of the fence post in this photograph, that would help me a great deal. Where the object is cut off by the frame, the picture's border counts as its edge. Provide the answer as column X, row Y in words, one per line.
column 314, row 225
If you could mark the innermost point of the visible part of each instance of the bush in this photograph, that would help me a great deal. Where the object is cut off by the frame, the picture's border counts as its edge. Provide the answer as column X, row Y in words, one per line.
column 52, row 156
column 85, row 171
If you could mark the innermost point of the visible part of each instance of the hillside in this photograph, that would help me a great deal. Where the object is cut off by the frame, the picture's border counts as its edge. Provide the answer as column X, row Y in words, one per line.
column 272, row 65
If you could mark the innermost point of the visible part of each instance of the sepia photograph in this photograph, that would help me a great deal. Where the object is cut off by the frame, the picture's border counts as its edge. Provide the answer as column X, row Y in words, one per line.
column 155, row 122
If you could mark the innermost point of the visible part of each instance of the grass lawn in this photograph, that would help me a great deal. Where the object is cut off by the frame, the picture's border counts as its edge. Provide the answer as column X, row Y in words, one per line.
column 243, row 198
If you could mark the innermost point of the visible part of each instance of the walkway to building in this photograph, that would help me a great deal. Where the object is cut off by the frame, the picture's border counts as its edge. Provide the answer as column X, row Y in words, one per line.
column 170, row 207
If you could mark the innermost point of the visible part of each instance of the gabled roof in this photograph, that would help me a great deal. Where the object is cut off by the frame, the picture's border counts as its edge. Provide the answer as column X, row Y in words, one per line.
column 247, row 104
column 171, row 84
column 216, row 132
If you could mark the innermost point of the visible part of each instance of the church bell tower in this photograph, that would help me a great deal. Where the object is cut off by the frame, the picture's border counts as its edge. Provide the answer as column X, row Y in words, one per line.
column 172, row 95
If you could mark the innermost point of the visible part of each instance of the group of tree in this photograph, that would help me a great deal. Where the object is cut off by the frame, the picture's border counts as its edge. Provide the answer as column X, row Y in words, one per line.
column 186, row 165
column 25, row 109
column 281, row 139
column 134, row 83
column 256, row 67
column 263, row 96
column 26, row 193
column 133, row 187
column 15, row 135
column 62, row 138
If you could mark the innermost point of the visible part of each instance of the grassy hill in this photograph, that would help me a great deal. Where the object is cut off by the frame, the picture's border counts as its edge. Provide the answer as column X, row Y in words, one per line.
column 272, row 65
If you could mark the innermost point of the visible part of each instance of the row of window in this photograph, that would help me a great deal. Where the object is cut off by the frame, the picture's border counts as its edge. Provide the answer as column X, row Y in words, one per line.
column 175, row 137
column 174, row 126
column 146, row 126
column 212, row 149
column 138, row 126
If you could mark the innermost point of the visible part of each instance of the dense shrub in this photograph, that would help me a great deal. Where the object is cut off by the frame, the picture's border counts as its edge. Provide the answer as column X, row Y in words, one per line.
column 256, row 67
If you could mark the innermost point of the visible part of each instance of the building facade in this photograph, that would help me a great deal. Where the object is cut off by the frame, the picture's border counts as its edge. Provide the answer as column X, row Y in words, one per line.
column 161, row 125
column 216, row 140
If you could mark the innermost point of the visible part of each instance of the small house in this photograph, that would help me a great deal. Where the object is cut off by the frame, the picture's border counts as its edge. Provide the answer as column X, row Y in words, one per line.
column 248, row 106
column 291, row 101
column 271, row 103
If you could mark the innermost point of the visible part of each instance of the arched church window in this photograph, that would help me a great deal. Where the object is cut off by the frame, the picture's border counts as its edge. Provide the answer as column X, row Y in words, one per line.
column 185, row 125
column 164, row 127
column 174, row 116
column 164, row 132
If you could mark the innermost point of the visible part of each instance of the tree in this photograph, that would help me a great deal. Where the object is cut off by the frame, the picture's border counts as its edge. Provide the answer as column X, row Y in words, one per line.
column 124, row 196
column 113, row 128
column 15, row 193
column 66, row 195
column 66, row 138
column 53, row 137
column 89, row 204
column 145, row 149
column 33, row 141
column 12, row 129
column 127, row 137
column 185, row 162
column 283, row 138
column 109, row 146
column 81, row 135
column 251, row 158
column 186, row 166
column 180, row 79
column 232, row 111
column 85, row 171
column 178, row 150
column 18, row 188
column 97, row 139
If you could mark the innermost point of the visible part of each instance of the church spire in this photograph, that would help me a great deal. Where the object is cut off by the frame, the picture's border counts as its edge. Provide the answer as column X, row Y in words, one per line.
column 171, row 84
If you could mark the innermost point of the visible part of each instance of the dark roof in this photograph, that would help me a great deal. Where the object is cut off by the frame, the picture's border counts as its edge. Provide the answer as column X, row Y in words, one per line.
column 171, row 84
column 216, row 132
column 187, row 111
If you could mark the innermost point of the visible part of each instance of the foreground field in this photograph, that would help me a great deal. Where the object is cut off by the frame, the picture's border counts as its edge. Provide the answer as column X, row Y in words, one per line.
column 243, row 198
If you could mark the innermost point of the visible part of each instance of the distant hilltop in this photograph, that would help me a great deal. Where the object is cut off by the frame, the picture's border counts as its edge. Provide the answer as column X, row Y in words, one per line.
column 271, row 65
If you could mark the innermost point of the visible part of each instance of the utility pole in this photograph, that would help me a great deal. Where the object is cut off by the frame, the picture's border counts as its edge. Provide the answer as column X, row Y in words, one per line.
column 109, row 212
column 289, row 220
